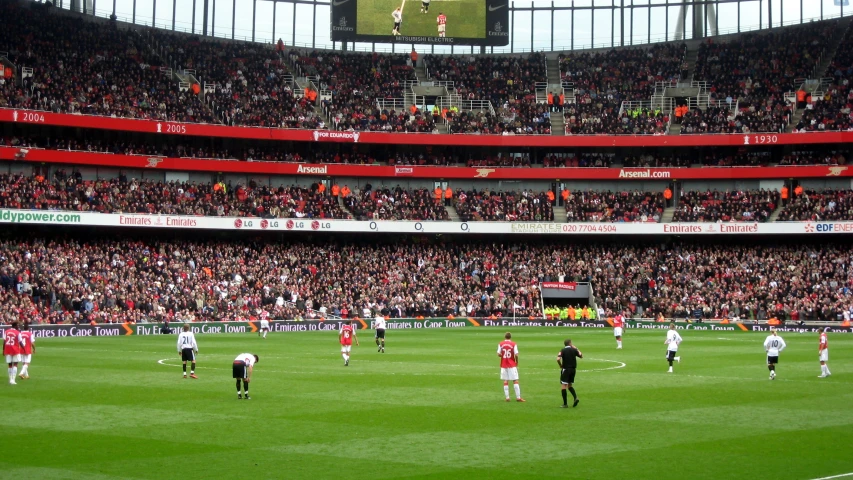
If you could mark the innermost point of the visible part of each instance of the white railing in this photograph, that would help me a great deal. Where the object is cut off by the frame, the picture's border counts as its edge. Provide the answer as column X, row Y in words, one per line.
column 391, row 104
column 190, row 72
column 666, row 105
column 183, row 86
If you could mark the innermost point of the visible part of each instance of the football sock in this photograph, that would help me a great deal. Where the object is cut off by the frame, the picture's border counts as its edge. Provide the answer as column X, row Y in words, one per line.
column 192, row 370
column 670, row 363
column 265, row 334
column 14, row 372
column 345, row 356
column 517, row 388
column 377, row 341
column 185, row 369
column 677, row 359
column 246, row 387
column 770, row 367
column 238, row 386
column 619, row 343
column 506, row 390
column 572, row 391
column 24, row 370
column 565, row 397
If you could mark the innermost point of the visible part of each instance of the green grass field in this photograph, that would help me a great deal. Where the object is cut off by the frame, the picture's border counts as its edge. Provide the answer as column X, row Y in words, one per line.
column 431, row 407
column 465, row 18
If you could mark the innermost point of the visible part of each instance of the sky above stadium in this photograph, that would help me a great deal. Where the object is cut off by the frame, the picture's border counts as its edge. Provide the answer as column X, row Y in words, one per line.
column 599, row 31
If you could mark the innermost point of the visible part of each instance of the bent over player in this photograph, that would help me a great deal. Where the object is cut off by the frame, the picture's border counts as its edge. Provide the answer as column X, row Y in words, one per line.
column 244, row 364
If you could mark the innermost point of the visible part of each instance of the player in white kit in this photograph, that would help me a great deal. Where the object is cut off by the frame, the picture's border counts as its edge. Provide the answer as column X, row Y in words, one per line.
column 379, row 325
column 398, row 20
column 673, row 339
column 187, row 349
column 773, row 345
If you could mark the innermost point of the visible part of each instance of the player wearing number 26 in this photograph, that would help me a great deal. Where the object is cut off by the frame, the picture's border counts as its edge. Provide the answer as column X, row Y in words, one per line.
column 508, row 353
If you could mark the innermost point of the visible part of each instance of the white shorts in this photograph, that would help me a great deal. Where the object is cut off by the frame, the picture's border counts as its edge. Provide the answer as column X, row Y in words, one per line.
column 346, row 348
column 824, row 355
column 441, row 28
column 265, row 324
column 617, row 331
column 26, row 358
column 509, row 374
column 13, row 358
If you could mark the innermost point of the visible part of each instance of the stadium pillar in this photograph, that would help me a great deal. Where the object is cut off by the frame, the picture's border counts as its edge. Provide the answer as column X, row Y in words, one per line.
column 273, row 23
column 552, row 26
column 174, row 13
column 255, row 19
column 293, row 42
column 234, row 17
column 133, row 18
column 154, row 14
column 212, row 18
column 204, row 19
column 314, row 27
column 622, row 23
column 114, row 10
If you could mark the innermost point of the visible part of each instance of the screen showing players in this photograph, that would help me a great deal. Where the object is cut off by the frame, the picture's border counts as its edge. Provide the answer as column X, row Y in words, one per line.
column 450, row 22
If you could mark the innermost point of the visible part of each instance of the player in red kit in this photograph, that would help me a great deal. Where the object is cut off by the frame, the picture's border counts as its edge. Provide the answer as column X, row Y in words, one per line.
column 12, row 350
column 508, row 352
column 28, row 347
column 618, row 325
column 441, row 21
column 346, row 336
column 823, row 354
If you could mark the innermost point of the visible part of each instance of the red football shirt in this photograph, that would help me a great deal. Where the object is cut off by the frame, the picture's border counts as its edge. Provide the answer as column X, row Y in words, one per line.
column 11, row 342
column 442, row 20
column 617, row 321
column 346, row 335
column 508, row 351
column 27, row 342
column 823, row 343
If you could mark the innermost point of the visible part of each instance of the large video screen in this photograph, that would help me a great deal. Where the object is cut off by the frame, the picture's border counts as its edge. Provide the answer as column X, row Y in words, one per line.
column 442, row 22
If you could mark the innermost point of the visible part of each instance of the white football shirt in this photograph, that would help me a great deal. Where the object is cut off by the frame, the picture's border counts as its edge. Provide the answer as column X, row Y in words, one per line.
column 379, row 322
column 774, row 344
column 672, row 340
column 248, row 358
column 398, row 16
column 187, row 340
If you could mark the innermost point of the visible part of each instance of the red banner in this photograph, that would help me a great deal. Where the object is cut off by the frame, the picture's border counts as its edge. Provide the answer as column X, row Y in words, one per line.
column 346, row 170
column 207, row 130
column 560, row 285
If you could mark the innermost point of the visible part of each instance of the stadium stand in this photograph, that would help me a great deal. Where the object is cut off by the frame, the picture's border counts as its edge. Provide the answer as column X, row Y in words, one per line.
column 602, row 81
column 396, row 204
column 90, row 68
column 356, row 81
column 116, row 280
column 818, row 205
column 500, row 206
column 831, row 111
column 735, row 206
column 120, row 195
column 627, row 206
column 508, row 83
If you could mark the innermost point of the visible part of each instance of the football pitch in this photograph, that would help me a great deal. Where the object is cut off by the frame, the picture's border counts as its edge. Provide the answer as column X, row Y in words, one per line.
column 465, row 18
column 431, row 407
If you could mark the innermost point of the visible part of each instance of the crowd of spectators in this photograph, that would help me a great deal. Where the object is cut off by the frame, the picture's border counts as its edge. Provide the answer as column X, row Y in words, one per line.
column 490, row 206
column 601, row 81
column 746, row 120
column 734, row 206
column 60, row 279
column 508, row 82
column 611, row 207
column 122, row 195
column 831, row 112
column 759, row 68
column 396, row 204
column 817, row 206
column 583, row 160
column 357, row 83
column 89, row 68
column 815, row 158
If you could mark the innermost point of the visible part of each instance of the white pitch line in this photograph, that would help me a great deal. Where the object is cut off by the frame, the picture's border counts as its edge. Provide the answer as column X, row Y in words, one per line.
column 835, row 476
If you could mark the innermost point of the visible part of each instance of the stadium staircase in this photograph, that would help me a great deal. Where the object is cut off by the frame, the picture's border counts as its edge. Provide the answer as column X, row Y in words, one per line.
column 690, row 58
column 452, row 214
column 421, row 73
column 344, row 207
column 668, row 213
column 554, row 85
column 775, row 214
column 559, row 214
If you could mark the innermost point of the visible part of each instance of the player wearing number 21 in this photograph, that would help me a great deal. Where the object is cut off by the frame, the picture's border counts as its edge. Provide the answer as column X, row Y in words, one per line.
column 508, row 353
column 773, row 345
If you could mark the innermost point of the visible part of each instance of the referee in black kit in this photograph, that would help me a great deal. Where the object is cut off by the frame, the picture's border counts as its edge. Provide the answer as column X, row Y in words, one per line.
column 567, row 359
